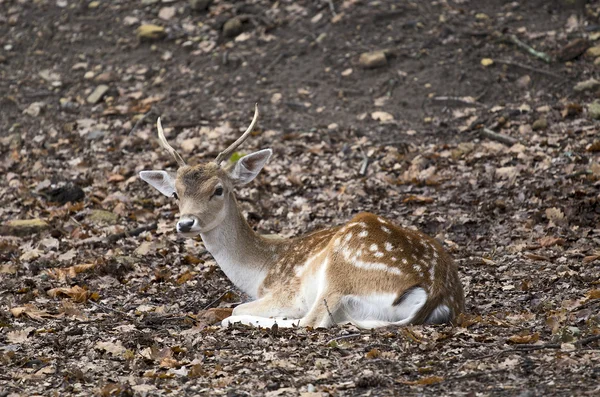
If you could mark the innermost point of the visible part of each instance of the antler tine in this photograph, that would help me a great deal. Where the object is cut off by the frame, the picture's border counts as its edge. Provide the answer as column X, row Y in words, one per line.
column 165, row 144
column 225, row 154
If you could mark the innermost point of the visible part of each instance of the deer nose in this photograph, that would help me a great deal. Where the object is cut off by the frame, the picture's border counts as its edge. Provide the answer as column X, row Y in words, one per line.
column 185, row 225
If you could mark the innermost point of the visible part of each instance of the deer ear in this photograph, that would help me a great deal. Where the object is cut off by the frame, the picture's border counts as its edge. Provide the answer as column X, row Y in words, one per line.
column 248, row 167
column 162, row 181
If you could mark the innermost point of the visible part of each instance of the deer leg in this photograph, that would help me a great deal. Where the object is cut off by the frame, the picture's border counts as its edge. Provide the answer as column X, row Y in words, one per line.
column 264, row 312
column 325, row 311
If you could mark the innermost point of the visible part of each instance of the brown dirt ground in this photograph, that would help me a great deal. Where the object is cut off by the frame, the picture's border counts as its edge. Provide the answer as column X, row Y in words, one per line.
column 522, row 220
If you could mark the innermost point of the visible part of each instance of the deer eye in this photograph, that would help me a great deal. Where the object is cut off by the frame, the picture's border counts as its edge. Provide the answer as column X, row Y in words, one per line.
column 218, row 191
column 175, row 196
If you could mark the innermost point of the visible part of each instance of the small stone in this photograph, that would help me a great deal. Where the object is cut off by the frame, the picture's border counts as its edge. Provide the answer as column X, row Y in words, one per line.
column 587, row 85
column 101, row 216
column 594, row 110
column 166, row 13
column 199, row 5
column 150, row 32
column 34, row 109
column 572, row 50
column 371, row 60
column 65, row 194
column 525, row 129
column 523, row 82
column 94, row 4
column 97, row 94
column 89, row 75
column 593, row 51
column 540, row 124
column 23, row 227
column 149, row 2
column 597, row 61
column 232, row 27
column 106, row 77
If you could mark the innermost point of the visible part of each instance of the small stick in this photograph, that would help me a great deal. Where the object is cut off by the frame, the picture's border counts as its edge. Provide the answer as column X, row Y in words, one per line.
column 494, row 136
column 539, row 54
column 529, row 68
column 216, row 300
column 587, row 340
column 331, row 7
column 141, row 119
column 458, row 100
column 328, row 312
column 275, row 61
column 343, row 337
column 365, row 162
column 130, row 233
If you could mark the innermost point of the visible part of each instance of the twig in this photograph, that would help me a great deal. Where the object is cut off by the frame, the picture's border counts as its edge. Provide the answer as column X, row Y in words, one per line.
column 539, row 54
column 107, row 308
column 331, row 7
column 458, row 100
column 141, row 119
column 275, row 61
column 587, row 340
column 579, row 173
column 130, row 233
column 529, row 68
column 343, row 337
column 365, row 163
column 328, row 312
column 494, row 136
column 217, row 300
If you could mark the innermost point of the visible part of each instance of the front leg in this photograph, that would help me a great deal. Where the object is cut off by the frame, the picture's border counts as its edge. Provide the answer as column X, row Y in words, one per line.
column 265, row 312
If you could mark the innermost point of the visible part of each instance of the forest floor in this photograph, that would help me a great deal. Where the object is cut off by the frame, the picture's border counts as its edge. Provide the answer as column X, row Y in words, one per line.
column 86, row 308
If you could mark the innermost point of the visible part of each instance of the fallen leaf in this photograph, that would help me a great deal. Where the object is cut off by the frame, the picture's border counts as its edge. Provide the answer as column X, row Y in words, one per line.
column 32, row 312
column 76, row 293
column 19, row 336
column 550, row 241
column 116, row 349
column 524, row 338
column 382, row 116
column 68, row 272
column 430, row 380
column 487, row 61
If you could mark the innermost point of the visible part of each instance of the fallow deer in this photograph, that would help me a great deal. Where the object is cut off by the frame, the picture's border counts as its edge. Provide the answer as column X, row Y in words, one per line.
column 368, row 272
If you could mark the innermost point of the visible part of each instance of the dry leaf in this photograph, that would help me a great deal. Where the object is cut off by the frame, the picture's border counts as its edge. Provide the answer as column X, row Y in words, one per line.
column 32, row 312
column 115, row 349
column 430, row 380
column 524, row 338
column 550, row 241
column 19, row 336
column 68, row 272
column 76, row 293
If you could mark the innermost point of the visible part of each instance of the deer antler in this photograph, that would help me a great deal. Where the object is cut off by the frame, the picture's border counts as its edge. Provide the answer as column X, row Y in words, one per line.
column 165, row 144
column 225, row 154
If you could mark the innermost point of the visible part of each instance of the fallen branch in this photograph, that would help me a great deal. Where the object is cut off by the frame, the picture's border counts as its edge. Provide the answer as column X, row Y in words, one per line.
column 343, row 337
column 588, row 340
column 538, row 54
column 529, row 68
column 494, row 136
column 331, row 7
column 141, row 119
column 130, row 233
column 365, row 163
column 216, row 300
column 458, row 100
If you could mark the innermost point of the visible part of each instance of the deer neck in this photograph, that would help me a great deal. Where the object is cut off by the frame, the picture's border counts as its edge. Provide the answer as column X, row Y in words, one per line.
column 243, row 255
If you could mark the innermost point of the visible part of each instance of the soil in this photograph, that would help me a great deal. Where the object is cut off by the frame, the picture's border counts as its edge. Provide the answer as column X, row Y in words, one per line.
column 99, row 295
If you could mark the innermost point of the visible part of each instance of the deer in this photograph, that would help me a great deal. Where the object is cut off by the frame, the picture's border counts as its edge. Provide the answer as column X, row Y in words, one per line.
column 367, row 272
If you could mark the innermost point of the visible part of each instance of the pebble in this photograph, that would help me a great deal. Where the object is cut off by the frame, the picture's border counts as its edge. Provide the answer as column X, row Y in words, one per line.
column 97, row 94
column 593, row 51
column 199, row 5
column 106, row 77
column 23, row 227
column 594, row 110
column 587, row 85
column 34, row 109
column 540, row 124
column 150, row 32
column 232, row 27
column 101, row 216
column 371, row 60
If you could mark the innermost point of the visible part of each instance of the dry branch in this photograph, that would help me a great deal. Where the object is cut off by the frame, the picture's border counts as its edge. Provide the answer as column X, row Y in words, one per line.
column 494, row 136
column 538, row 54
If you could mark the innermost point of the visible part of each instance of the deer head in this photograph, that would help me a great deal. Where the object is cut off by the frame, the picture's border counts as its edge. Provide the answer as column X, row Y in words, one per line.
column 203, row 190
